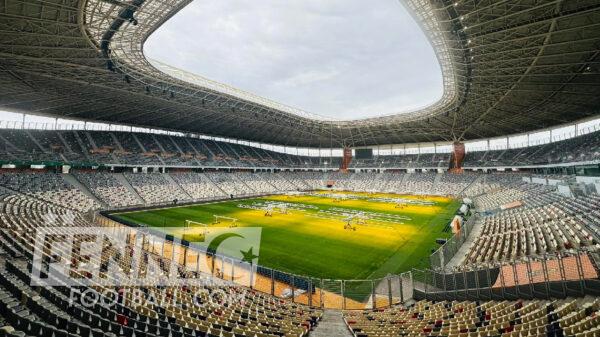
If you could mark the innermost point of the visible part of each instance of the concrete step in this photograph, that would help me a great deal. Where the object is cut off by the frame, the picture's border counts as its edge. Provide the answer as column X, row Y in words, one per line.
column 78, row 185
column 331, row 325
column 121, row 178
column 176, row 184
column 461, row 255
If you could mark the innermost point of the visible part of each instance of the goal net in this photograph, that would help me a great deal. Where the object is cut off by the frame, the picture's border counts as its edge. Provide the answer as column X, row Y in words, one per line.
column 193, row 224
column 192, row 229
column 231, row 222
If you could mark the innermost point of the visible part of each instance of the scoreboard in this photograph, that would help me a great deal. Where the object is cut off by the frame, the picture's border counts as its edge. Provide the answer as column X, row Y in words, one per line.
column 363, row 153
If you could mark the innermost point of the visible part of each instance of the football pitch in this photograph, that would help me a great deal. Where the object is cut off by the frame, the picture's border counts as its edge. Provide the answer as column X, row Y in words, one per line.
column 325, row 234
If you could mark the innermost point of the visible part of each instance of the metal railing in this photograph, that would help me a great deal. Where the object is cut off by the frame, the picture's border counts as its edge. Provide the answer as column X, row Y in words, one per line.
column 318, row 292
column 440, row 258
column 549, row 276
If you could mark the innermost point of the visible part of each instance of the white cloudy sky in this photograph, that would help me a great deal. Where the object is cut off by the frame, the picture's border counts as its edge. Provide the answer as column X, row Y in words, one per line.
column 344, row 59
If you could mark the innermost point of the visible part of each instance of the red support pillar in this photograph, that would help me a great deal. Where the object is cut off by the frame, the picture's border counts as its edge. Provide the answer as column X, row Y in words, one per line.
column 346, row 160
column 458, row 156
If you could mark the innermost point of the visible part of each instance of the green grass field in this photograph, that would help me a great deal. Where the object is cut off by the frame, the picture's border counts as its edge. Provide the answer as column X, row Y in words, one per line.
column 306, row 243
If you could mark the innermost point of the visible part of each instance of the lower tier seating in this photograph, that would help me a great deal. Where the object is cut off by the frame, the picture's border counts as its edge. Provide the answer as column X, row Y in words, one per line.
column 57, row 311
column 480, row 319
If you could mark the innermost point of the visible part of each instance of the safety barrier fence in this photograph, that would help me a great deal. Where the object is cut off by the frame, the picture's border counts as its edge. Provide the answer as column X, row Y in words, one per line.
column 319, row 292
column 440, row 258
column 548, row 276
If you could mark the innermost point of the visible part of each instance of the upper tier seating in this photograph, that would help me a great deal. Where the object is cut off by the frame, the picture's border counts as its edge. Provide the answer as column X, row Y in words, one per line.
column 117, row 147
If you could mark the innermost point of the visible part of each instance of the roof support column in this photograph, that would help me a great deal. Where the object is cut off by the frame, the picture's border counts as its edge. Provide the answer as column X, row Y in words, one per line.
column 458, row 156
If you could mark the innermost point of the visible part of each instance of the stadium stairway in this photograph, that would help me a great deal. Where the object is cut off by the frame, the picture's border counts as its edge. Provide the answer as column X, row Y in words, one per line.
column 473, row 182
column 35, row 141
column 461, row 254
column 78, row 185
column 121, row 178
column 404, row 177
column 331, row 325
column 436, row 181
column 238, row 179
column 215, row 185
column 300, row 184
column 176, row 184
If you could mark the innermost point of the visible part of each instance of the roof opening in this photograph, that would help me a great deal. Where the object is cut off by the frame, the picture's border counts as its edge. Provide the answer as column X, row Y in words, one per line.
column 341, row 59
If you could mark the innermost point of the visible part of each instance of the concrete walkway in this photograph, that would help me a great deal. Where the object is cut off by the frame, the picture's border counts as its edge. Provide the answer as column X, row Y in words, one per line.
column 331, row 325
column 460, row 256
column 121, row 178
column 71, row 179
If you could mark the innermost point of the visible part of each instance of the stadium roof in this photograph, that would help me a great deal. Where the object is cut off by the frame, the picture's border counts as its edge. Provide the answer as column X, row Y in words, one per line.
column 509, row 66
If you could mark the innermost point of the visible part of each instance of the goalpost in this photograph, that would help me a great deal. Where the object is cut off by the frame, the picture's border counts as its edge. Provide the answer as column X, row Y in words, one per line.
column 191, row 223
column 218, row 218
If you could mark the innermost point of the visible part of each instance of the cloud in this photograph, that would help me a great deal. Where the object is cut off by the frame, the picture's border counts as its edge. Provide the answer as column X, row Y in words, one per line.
column 339, row 58
column 306, row 78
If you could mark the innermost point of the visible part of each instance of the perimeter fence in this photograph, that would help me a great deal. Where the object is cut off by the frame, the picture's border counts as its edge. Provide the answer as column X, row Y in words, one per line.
column 551, row 276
